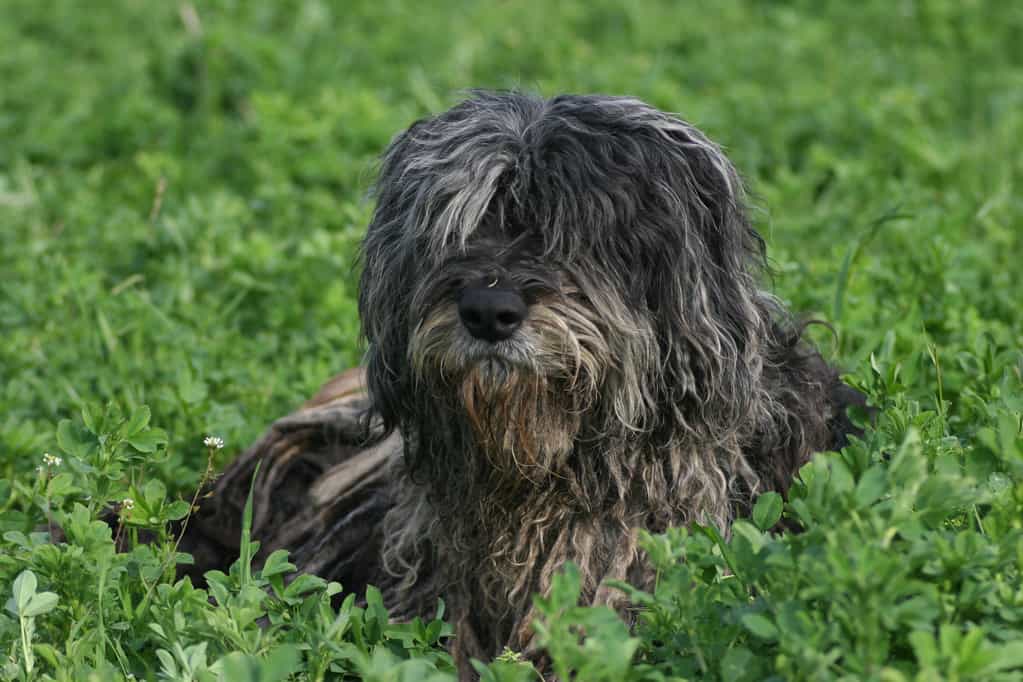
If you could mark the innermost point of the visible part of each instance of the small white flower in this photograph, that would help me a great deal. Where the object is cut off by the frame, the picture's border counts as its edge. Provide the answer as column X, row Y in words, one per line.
column 214, row 442
column 127, row 504
column 51, row 460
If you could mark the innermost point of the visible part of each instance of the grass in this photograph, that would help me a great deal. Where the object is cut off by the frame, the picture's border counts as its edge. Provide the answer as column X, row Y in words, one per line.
column 182, row 188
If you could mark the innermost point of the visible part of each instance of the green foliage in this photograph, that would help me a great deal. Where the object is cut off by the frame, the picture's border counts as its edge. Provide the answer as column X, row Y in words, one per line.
column 586, row 643
column 907, row 568
column 26, row 604
column 181, row 198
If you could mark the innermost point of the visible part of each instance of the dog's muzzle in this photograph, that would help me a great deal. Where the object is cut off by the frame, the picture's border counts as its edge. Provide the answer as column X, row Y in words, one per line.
column 491, row 314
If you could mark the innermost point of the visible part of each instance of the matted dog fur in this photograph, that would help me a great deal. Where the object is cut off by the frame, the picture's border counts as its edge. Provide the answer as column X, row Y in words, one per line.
column 567, row 342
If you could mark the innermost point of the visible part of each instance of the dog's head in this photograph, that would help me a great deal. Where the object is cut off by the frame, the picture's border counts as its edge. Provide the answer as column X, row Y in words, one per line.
column 539, row 272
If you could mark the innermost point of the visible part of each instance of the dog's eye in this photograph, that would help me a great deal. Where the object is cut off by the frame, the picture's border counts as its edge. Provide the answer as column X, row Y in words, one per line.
column 536, row 286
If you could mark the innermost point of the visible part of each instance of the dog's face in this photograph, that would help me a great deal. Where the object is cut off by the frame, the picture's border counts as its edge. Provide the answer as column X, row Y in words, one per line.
column 544, row 272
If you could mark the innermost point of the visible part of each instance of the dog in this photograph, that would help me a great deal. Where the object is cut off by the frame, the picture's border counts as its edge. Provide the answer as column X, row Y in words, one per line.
column 568, row 341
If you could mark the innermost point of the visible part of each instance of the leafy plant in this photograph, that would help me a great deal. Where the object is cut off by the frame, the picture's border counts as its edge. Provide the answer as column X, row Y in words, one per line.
column 27, row 605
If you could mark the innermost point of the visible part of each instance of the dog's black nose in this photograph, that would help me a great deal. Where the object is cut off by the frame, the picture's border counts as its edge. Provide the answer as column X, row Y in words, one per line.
column 491, row 314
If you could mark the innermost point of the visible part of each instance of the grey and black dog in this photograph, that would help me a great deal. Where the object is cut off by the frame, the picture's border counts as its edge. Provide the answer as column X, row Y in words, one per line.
column 565, row 324
column 567, row 329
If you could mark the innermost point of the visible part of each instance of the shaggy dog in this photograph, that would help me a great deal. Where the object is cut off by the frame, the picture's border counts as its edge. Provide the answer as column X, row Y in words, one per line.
column 567, row 332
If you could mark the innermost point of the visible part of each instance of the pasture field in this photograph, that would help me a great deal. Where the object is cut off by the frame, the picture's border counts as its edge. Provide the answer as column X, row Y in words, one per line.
column 183, row 187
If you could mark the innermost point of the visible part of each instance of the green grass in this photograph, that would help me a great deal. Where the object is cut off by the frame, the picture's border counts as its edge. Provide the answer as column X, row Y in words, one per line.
column 182, row 189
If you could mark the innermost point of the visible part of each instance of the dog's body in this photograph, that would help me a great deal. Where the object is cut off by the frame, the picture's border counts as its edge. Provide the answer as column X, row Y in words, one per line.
column 566, row 329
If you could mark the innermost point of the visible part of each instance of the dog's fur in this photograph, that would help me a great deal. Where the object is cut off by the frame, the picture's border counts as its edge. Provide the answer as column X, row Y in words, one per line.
column 654, row 382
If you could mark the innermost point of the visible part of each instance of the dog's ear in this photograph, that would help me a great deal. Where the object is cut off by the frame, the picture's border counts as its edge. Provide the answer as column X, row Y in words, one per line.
column 703, row 290
column 384, row 326
column 385, row 286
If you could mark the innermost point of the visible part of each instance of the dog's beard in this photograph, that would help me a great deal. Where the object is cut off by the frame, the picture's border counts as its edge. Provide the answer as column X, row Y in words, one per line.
column 518, row 419
column 522, row 399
